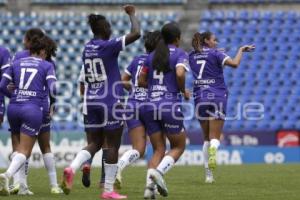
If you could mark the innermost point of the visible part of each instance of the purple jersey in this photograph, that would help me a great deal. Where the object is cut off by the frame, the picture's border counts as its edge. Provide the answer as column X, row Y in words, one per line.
column 137, row 93
column 4, row 64
column 207, row 68
column 163, row 86
column 26, row 53
column 101, row 70
column 21, row 54
column 46, row 118
column 31, row 76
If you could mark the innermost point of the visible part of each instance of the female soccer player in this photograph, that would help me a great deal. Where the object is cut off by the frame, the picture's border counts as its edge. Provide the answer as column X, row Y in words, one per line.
column 4, row 63
column 20, row 179
column 137, row 96
column 164, row 73
column 86, row 167
column 102, row 97
column 210, row 92
column 30, row 75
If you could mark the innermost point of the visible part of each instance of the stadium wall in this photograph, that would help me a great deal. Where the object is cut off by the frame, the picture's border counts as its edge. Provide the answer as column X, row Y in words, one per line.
column 256, row 6
column 236, row 149
column 66, row 151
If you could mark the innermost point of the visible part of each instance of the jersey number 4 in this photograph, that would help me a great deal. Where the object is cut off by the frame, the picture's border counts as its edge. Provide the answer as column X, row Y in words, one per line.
column 159, row 76
column 32, row 71
column 202, row 65
column 95, row 69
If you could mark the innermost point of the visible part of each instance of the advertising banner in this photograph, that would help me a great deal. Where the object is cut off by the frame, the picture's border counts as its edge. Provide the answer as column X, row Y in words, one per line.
column 66, row 150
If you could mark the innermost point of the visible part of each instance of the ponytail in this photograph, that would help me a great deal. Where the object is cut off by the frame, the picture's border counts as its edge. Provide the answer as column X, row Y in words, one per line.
column 170, row 33
column 151, row 39
column 38, row 44
column 161, row 57
column 196, row 42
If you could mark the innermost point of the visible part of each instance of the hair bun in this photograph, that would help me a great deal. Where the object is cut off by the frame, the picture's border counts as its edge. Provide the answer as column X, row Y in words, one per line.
column 93, row 18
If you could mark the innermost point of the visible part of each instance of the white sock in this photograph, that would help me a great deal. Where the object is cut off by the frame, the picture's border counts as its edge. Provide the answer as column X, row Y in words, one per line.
column 23, row 173
column 166, row 164
column 49, row 162
column 205, row 153
column 128, row 158
column 215, row 143
column 81, row 158
column 110, row 176
column 16, row 175
column 17, row 161
column 149, row 182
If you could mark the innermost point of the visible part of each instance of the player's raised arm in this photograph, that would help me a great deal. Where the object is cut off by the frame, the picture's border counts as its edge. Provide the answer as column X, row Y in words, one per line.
column 135, row 32
column 235, row 62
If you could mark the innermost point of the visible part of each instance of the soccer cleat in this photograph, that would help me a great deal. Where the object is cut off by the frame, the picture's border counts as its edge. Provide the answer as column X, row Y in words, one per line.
column 118, row 182
column 149, row 193
column 14, row 189
column 67, row 183
column 24, row 190
column 158, row 179
column 86, row 172
column 212, row 161
column 209, row 178
column 56, row 190
column 112, row 195
column 4, row 190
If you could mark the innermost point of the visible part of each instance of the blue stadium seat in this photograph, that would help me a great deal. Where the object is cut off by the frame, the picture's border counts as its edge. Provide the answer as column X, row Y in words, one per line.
column 71, row 31
column 270, row 74
column 107, row 1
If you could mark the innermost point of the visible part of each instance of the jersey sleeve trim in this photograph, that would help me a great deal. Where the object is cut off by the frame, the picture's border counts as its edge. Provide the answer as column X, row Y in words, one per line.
column 183, row 65
column 51, row 77
column 127, row 72
column 7, row 76
column 123, row 42
column 224, row 60
column 81, row 75
column 5, row 66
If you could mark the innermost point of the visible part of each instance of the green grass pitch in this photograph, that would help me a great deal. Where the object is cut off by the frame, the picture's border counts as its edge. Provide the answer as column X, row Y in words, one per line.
column 246, row 182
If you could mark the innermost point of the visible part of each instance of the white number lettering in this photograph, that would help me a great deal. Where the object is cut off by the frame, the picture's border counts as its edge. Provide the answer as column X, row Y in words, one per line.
column 92, row 69
column 32, row 72
column 159, row 76
column 202, row 65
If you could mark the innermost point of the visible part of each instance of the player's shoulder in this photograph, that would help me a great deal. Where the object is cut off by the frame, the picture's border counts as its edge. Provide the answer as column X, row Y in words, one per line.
column 192, row 53
column 116, row 39
column 179, row 50
column 52, row 62
column 4, row 49
column 46, row 64
column 214, row 51
column 21, row 54
column 141, row 57
column 91, row 44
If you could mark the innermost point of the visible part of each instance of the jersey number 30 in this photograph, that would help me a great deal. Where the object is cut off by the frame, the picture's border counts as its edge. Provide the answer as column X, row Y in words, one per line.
column 95, row 69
